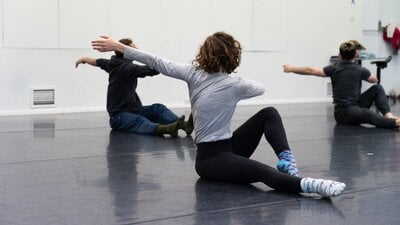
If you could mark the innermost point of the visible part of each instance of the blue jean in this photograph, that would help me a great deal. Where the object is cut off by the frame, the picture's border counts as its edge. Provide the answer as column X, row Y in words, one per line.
column 144, row 121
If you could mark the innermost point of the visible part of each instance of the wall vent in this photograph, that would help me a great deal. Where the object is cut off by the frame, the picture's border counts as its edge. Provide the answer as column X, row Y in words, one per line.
column 43, row 97
column 329, row 89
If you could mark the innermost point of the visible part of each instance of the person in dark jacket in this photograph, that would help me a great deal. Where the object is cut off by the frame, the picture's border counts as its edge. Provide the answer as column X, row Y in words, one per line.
column 123, row 103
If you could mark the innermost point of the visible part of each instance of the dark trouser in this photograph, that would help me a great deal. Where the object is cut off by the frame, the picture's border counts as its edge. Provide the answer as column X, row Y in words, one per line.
column 144, row 121
column 361, row 113
column 375, row 94
column 228, row 160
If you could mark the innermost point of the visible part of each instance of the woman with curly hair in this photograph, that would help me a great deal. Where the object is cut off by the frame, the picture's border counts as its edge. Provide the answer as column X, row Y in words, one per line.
column 221, row 154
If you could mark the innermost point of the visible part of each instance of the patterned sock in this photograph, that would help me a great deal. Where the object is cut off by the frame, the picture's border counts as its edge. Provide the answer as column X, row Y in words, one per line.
column 326, row 188
column 287, row 164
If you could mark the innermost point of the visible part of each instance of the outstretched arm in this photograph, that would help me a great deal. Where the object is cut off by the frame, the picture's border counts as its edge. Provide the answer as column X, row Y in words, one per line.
column 88, row 60
column 315, row 71
column 107, row 44
column 164, row 66
column 143, row 71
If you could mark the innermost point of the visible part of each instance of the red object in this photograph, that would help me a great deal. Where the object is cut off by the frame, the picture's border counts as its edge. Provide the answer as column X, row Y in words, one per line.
column 395, row 40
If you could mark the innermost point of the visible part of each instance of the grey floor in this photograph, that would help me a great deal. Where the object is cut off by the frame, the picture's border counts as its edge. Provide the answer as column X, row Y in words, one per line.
column 72, row 169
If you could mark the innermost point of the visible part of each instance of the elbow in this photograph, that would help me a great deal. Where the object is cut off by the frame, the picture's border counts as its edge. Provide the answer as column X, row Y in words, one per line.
column 373, row 80
column 314, row 72
column 309, row 70
column 262, row 90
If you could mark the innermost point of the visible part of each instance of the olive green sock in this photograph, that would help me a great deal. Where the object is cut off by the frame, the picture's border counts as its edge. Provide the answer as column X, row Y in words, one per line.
column 171, row 129
column 188, row 125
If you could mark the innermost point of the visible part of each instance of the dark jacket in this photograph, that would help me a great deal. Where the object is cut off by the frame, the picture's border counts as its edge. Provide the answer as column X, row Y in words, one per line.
column 122, row 83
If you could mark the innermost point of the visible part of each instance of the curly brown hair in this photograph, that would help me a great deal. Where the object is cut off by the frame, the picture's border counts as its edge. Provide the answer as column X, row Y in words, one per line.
column 220, row 52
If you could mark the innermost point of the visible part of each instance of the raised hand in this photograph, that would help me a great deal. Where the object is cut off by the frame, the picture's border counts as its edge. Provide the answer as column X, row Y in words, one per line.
column 287, row 68
column 79, row 61
column 106, row 44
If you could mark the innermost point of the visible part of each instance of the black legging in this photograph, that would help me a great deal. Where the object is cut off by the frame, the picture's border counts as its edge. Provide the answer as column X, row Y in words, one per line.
column 361, row 113
column 228, row 160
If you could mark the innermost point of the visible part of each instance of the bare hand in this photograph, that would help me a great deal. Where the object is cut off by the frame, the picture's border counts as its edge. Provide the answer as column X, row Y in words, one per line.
column 80, row 61
column 287, row 68
column 106, row 44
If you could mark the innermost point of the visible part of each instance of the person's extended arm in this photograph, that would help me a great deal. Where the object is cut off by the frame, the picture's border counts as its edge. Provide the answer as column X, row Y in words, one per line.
column 88, row 60
column 248, row 88
column 164, row 66
column 307, row 70
column 142, row 71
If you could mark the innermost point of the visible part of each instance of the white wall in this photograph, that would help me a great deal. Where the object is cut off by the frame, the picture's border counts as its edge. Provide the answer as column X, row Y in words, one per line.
column 308, row 32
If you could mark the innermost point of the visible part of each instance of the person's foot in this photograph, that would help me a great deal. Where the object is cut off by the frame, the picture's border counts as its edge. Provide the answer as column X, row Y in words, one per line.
column 390, row 115
column 325, row 188
column 179, row 123
column 287, row 164
column 398, row 122
column 172, row 128
column 188, row 125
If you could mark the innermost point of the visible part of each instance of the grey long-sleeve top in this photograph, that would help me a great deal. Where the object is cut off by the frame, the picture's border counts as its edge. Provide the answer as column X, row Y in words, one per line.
column 213, row 96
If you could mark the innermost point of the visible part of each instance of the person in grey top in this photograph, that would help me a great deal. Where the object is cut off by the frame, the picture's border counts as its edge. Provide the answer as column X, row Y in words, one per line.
column 221, row 154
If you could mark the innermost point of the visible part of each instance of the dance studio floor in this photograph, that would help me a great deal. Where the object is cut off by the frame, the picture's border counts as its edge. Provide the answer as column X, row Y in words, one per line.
column 71, row 169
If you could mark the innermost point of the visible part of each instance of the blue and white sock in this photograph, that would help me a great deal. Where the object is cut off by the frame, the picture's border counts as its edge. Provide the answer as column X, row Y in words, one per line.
column 287, row 164
column 326, row 188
